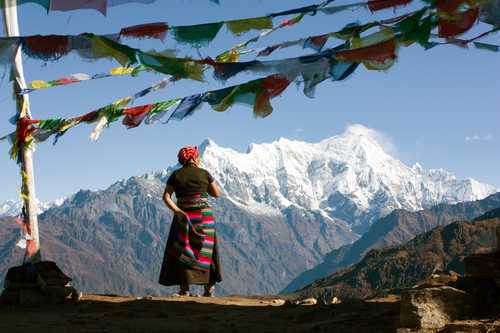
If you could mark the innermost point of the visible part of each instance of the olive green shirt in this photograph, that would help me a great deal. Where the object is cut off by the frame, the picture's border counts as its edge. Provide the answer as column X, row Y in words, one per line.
column 189, row 180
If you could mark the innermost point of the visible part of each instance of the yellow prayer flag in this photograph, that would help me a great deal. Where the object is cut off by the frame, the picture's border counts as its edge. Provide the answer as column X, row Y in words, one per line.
column 121, row 70
column 39, row 84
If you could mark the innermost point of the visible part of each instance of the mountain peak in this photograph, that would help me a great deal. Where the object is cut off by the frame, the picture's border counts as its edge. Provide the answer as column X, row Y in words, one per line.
column 357, row 129
column 206, row 144
column 350, row 172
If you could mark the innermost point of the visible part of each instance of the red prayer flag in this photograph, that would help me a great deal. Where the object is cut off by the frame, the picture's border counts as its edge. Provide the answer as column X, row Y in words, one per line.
column 89, row 117
column 375, row 5
column 271, row 86
column 151, row 30
column 378, row 52
column 465, row 21
column 66, row 80
column 46, row 47
column 449, row 6
column 24, row 128
column 134, row 116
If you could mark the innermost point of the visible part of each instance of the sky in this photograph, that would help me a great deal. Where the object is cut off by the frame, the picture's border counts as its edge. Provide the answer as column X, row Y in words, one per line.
column 438, row 107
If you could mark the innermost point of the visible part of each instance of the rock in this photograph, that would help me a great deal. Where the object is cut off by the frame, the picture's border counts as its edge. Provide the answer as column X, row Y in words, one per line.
column 335, row 300
column 37, row 283
column 432, row 308
column 278, row 302
column 49, row 271
column 307, row 301
column 57, row 294
column 31, row 297
column 9, row 297
column 12, row 285
column 472, row 326
column 486, row 265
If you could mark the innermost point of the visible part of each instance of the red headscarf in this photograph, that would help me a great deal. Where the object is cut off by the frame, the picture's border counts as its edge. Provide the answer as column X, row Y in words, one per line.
column 187, row 153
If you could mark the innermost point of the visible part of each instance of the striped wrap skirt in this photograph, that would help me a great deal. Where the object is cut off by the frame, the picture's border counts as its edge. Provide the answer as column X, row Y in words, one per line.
column 191, row 255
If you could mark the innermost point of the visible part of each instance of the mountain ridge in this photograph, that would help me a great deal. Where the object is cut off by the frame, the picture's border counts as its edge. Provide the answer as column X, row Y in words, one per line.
column 285, row 205
column 393, row 268
column 397, row 228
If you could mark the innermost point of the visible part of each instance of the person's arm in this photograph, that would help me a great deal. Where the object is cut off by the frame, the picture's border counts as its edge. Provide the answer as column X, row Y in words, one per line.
column 214, row 189
column 167, row 198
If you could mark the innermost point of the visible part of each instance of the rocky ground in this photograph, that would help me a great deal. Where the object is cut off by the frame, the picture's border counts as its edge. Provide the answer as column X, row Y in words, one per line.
column 98, row 313
column 95, row 313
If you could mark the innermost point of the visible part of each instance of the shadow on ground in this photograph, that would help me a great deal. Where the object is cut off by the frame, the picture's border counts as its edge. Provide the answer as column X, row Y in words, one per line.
column 113, row 314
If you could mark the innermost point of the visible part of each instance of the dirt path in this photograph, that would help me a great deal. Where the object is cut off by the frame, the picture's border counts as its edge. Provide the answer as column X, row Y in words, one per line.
column 96, row 313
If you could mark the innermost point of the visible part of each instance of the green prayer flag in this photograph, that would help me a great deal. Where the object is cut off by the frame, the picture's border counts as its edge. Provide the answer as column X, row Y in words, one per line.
column 50, row 123
column 160, row 107
column 105, row 47
column 198, row 35
column 238, row 27
column 44, row 3
column 179, row 68
column 415, row 29
column 485, row 46
column 223, row 99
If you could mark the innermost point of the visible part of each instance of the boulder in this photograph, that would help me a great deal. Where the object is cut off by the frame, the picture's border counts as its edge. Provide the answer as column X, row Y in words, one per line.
column 429, row 309
column 37, row 283
column 308, row 301
column 31, row 297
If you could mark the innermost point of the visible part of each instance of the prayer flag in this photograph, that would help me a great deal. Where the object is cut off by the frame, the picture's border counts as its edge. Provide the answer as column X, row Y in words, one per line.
column 66, row 5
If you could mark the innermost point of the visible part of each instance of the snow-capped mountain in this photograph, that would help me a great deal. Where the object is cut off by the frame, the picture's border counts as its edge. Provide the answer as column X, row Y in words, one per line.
column 13, row 208
column 348, row 177
column 285, row 206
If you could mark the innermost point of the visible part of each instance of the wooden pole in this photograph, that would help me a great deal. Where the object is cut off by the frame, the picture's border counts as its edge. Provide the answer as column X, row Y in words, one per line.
column 25, row 152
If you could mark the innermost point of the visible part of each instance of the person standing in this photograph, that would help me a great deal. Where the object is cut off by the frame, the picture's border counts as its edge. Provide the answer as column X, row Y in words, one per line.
column 191, row 254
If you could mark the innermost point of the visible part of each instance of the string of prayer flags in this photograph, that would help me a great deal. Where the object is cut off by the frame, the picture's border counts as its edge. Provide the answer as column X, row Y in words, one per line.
column 197, row 35
column 354, row 29
column 411, row 26
column 376, row 51
column 92, row 46
column 80, row 77
column 257, row 93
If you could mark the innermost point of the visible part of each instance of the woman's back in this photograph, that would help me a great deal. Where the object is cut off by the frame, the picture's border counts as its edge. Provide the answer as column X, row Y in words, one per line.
column 189, row 180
